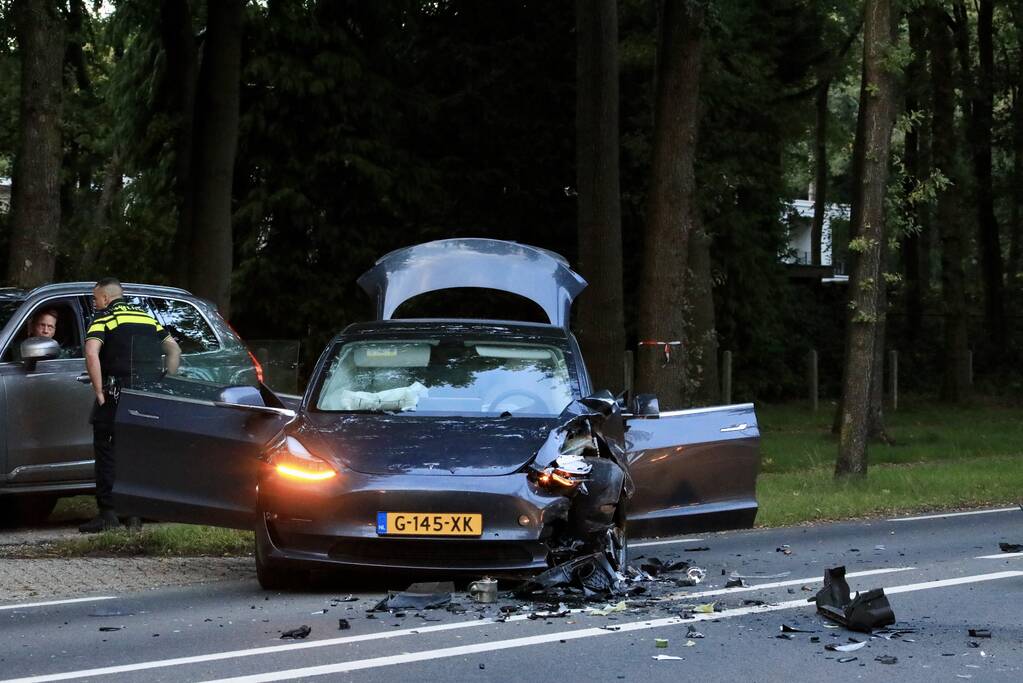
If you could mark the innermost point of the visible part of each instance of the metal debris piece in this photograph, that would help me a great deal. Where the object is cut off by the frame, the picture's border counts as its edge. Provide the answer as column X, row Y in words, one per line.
column 980, row 633
column 865, row 612
column 694, row 575
column 850, row 647
column 297, row 633
column 886, row 659
column 484, row 590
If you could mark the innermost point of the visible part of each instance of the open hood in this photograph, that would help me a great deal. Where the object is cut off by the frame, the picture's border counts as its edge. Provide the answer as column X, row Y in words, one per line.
column 536, row 274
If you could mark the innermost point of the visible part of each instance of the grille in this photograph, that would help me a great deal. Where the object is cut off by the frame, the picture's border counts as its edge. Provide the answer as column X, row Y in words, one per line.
column 448, row 554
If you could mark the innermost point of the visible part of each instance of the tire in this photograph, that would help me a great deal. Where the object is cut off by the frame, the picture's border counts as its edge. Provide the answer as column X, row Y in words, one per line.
column 272, row 576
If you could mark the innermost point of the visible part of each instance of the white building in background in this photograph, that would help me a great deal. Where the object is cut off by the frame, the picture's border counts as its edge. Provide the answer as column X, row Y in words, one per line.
column 799, row 219
column 5, row 195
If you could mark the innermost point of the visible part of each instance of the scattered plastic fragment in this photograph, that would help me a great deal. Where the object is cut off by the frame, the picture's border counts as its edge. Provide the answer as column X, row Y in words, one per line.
column 660, row 642
column 886, row 659
column 693, row 633
column 297, row 633
column 815, row 639
column 618, row 607
column 560, row 611
column 107, row 629
column 865, row 612
column 980, row 633
column 694, row 575
column 785, row 628
column 592, row 573
column 690, row 643
column 1011, row 547
column 754, row 602
column 320, row 611
column 343, row 625
column 663, row 658
column 785, row 636
column 418, row 596
column 850, row 647
column 846, row 660
column 735, row 582
column 705, row 608
column 696, row 549
column 654, row 566
column 785, row 549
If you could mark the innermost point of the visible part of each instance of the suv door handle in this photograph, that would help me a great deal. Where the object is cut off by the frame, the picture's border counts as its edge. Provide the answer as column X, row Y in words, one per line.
column 83, row 378
column 137, row 413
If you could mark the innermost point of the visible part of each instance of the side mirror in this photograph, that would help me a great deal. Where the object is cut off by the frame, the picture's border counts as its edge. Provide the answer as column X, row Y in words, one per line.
column 645, row 405
column 242, row 395
column 35, row 349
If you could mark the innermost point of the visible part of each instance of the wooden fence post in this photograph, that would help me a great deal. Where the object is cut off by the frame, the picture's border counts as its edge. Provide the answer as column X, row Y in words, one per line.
column 811, row 378
column 726, row 377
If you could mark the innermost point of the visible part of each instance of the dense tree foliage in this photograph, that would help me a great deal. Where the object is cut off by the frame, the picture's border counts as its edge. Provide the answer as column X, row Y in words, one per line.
column 363, row 127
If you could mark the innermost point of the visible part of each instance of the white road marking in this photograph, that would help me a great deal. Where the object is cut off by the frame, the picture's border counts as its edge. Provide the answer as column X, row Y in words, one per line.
column 954, row 514
column 477, row 648
column 999, row 556
column 381, row 635
column 55, row 602
column 674, row 540
column 776, row 584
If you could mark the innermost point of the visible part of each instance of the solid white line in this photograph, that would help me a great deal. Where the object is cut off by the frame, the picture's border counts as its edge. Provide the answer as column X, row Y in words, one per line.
column 675, row 540
column 954, row 514
column 999, row 556
column 277, row 649
column 55, row 602
column 776, row 584
column 476, row 648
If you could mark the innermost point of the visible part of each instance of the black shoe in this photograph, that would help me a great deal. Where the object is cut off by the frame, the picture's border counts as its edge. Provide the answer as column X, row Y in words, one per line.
column 105, row 520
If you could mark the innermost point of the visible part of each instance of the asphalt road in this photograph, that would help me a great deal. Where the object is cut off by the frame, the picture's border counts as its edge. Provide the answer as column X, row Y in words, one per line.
column 943, row 576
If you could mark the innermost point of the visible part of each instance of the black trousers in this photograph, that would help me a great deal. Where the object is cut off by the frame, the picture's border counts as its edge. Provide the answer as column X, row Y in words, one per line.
column 103, row 447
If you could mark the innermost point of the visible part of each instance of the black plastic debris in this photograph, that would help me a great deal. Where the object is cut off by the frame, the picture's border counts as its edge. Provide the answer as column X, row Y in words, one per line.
column 591, row 574
column 784, row 549
column 297, row 633
column 980, row 633
column 552, row 612
column 654, row 566
column 753, row 602
column 865, row 612
column 1011, row 547
column 107, row 629
column 785, row 628
column 735, row 582
column 785, row 636
column 334, row 602
column 429, row 595
column 694, row 634
column 886, row 659
column 343, row 625
column 696, row 549
column 846, row 660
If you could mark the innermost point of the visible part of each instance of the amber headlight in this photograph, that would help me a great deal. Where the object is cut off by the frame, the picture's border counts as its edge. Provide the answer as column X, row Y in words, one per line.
column 291, row 459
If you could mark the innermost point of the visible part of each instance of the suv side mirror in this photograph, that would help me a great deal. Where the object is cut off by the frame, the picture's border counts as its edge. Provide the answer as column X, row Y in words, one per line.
column 645, row 405
column 241, row 395
column 35, row 349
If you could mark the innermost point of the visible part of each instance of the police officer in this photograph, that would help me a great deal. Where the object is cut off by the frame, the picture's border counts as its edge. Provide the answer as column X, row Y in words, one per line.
column 124, row 345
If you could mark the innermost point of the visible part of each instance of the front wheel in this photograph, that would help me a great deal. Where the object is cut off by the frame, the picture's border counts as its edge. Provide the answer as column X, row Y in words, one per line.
column 272, row 576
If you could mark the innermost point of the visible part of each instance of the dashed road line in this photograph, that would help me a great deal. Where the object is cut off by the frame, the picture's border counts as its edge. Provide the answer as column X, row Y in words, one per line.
column 954, row 514
column 999, row 556
column 26, row 605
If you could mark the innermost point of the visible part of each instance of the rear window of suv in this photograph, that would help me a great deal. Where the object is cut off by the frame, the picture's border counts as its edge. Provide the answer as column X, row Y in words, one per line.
column 186, row 324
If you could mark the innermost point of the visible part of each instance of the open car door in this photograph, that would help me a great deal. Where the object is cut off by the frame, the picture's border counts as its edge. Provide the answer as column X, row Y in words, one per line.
column 187, row 454
column 694, row 470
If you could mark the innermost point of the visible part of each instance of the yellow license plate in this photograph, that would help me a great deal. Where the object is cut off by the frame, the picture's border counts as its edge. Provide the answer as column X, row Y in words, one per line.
column 432, row 524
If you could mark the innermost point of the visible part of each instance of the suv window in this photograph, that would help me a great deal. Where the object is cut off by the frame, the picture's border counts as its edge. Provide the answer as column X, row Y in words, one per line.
column 186, row 324
column 67, row 334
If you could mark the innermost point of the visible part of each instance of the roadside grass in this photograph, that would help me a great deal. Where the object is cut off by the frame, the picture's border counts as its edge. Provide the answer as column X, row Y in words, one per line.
column 159, row 540
column 944, row 457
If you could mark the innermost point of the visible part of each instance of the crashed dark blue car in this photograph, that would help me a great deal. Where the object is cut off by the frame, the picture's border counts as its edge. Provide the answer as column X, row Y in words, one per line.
column 438, row 444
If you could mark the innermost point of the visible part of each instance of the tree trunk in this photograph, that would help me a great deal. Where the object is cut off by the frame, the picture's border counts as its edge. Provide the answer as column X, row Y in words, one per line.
column 671, row 211
column 601, row 306
column 178, row 99
column 820, row 163
column 216, row 139
column 35, row 192
column 911, row 252
column 955, row 381
column 702, row 356
column 876, row 429
column 879, row 117
column 1016, row 239
column 981, row 120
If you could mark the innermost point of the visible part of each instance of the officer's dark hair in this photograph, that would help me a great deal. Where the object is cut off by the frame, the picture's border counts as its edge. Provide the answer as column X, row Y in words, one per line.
column 107, row 282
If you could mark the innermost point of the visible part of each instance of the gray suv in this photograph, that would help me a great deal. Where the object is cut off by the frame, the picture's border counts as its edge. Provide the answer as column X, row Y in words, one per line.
column 45, row 401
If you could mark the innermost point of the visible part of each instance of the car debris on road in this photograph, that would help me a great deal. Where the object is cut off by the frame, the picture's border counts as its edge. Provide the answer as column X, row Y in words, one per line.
column 865, row 612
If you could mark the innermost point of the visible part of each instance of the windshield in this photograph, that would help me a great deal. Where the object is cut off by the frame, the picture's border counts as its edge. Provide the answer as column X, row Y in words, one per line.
column 445, row 377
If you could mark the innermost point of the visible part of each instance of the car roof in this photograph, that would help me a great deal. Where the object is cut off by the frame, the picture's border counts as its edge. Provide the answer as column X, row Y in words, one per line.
column 413, row 326
column 75, row 288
